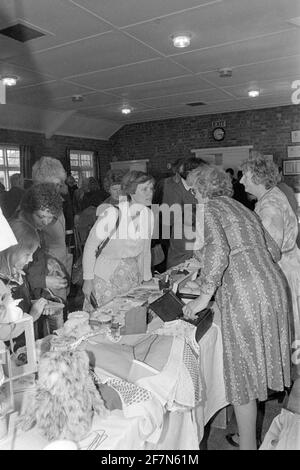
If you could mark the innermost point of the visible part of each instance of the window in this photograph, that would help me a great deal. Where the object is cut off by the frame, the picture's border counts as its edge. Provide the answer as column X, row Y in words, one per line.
column 9, row 163
column 82, row 163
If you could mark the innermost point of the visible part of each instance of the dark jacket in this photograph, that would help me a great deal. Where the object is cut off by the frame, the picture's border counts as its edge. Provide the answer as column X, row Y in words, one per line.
column 11, row 201
column 174, row 192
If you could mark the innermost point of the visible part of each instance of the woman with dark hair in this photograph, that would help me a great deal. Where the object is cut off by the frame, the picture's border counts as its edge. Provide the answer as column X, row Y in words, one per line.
column 125, row 260
column 260, row 179
column 251, row 293
column 40, row 206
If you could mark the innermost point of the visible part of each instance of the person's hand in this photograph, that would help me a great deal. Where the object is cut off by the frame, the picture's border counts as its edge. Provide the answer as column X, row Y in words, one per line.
column 56, row 282
column 87, row 288
column 37, row 308
column 192, row 308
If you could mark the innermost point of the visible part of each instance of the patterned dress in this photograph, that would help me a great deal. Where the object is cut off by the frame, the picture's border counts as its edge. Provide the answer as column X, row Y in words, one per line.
column 251, row 293
column 280, row 221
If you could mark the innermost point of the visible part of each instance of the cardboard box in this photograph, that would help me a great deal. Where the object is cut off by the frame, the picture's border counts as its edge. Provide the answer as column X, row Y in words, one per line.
column 135, row 321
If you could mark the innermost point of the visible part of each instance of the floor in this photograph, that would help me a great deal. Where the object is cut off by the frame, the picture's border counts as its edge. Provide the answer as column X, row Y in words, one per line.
column 216, row 436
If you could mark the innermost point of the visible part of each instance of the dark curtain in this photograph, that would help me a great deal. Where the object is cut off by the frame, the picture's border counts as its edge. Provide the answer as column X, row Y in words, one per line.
column 97, row 167
column 26, row 160
column 67, row 162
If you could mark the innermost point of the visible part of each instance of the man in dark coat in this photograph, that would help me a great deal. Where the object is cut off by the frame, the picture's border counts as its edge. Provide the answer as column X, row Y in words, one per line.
column 177, row 192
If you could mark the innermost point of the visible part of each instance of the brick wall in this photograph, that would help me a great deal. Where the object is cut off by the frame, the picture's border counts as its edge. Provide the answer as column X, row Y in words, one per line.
column 268, row 130
column 57, row 146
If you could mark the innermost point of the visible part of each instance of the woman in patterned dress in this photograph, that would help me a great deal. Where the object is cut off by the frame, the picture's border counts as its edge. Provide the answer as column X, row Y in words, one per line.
column 260, row 179
column 125, row 261
column 251, row 293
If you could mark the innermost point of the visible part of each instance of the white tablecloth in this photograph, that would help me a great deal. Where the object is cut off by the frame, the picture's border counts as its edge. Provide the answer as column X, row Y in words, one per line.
column 151, row 426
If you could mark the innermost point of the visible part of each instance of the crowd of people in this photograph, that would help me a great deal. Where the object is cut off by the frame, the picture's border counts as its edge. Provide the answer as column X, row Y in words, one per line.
column 249, row 256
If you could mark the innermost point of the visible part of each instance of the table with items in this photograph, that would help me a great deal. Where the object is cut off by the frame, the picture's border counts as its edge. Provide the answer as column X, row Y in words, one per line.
column 158, row 387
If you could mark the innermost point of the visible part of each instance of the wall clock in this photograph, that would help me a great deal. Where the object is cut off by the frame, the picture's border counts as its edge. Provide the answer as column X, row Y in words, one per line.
column 218, row 133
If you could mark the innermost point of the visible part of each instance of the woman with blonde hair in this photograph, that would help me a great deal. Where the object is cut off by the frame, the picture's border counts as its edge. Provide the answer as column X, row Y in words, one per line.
column 260, row 179
column 250, row 292
column 125, row 235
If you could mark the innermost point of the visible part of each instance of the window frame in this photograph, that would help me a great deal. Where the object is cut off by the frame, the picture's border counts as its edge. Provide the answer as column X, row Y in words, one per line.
column 82, row 168
column 7, row 169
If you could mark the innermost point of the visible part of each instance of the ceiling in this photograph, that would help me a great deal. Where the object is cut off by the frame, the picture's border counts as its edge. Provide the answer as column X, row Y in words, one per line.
column 115, row 52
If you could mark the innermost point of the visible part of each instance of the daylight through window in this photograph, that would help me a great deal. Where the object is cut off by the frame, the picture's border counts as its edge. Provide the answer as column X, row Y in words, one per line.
column 9, row 163
column 82, row 163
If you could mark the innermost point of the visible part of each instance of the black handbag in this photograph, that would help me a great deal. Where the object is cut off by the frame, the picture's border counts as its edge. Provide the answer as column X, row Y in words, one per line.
column 169, row 307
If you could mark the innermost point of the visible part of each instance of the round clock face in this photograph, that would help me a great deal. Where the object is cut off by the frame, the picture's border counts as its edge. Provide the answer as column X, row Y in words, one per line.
column 218, row 133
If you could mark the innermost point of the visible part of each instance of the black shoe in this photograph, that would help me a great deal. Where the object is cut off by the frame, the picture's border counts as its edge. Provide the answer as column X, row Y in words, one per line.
column 232, row 442
column 229, row 438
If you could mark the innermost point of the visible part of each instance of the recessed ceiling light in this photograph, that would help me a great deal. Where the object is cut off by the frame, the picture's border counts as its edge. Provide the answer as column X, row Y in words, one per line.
column 126, row 110
column 181, row 40
column 9, row 80
column 225, row 72
column 77, row 98
column 253, row 93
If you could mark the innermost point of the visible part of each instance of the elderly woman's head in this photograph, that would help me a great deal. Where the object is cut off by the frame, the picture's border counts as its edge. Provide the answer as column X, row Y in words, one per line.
column 41, row 204
column 16, row 257
column 50, row 170
column 113, row 184
column 138, row 186
column 209, row 181
column 258, row 172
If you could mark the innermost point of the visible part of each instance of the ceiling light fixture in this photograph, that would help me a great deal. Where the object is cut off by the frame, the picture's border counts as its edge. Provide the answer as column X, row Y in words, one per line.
column 225, row 72
column 253, row 93
column 77, row 98
column 126, row 109
column 181, row 40
column 9, row 80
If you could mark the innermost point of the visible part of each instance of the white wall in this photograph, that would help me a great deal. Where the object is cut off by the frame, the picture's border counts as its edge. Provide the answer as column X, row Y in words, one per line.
column 227, row 157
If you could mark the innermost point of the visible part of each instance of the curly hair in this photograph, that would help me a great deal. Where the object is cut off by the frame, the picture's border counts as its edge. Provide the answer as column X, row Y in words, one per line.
column 111, row 178
column 48, row 170
column 42, row 196
column 132, row 179
column 262, row 171
column 210, row 181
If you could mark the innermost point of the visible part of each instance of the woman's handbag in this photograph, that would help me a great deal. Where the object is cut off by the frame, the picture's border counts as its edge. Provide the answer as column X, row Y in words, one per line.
column 77, row 271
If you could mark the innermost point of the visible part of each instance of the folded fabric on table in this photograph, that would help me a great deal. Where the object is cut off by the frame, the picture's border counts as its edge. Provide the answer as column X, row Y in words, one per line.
column 164, row 364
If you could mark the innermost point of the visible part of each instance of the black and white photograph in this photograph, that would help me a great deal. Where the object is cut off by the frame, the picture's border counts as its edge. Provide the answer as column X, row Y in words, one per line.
column 149, row 227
